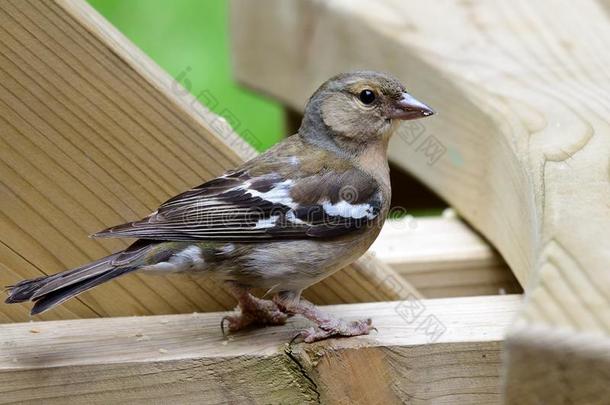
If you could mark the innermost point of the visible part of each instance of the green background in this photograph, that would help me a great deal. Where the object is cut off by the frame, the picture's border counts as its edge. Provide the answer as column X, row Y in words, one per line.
column 190, row 38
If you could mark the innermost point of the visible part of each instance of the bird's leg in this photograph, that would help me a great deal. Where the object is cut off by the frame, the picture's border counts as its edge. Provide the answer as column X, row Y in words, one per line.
column 251, row 311
column 328, row 326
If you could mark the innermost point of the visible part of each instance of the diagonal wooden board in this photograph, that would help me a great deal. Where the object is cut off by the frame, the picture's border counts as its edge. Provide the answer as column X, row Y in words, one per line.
column 93, row 133
column 520, row 145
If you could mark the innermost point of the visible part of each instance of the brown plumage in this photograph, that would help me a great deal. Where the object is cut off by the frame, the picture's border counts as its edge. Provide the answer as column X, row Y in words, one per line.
column 282, row 221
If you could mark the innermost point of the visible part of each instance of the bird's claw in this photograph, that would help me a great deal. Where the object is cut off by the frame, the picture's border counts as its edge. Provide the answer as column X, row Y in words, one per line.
column 222, row 325
column 302, row 334
column 264, row 315
column 340, row 328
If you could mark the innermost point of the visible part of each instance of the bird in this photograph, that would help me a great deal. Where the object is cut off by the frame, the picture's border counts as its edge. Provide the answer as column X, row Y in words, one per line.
column 282, row 221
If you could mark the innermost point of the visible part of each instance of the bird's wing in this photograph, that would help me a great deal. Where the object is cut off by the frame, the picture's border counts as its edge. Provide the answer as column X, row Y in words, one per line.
column 244, row 207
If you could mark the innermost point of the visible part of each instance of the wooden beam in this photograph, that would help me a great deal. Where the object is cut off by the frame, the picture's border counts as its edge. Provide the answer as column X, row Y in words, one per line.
column 443, row 257
column 425, row 351
column 519, row 146
column 93, row 133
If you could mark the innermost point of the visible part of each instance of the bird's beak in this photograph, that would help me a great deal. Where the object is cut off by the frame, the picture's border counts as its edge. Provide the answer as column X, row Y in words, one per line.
column 408, row 108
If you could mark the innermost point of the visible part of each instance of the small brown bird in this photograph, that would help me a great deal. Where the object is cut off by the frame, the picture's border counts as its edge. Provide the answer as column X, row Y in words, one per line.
column 282, row 221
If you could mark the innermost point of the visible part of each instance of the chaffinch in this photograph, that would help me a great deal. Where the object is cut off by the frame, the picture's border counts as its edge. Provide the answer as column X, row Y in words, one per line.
column 282, row 221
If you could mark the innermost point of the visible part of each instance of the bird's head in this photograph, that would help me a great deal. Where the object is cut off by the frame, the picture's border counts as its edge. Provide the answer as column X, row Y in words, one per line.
column 360, row 107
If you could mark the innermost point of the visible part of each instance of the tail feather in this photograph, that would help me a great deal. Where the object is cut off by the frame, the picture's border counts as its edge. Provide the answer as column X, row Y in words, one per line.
column 47, row 301
column 49, row 291
column 23, row 290
column 74, row 276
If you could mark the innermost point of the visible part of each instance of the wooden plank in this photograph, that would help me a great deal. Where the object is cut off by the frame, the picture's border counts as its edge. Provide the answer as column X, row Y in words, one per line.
column 93, row 133
column 518, row 147
column 443, row 257
column 184, row 358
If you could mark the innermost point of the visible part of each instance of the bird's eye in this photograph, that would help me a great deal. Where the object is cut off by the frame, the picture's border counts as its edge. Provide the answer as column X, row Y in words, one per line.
column 367, row 96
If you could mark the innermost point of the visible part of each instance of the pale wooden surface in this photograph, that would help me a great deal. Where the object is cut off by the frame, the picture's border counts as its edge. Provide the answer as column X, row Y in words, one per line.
column 92, row 134
column 521, row 93
column 443, row 257
column 184, row 358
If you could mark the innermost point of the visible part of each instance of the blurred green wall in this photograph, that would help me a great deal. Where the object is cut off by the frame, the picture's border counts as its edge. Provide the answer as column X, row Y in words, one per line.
column 190, row 38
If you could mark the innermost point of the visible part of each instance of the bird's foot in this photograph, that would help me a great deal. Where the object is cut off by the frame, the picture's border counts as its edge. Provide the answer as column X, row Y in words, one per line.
column 334, row 328
column 253, row 311
column 327, row 325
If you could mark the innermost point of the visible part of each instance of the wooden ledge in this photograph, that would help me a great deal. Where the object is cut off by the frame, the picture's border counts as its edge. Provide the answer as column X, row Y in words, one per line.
column 443, row 257
column 423, row 350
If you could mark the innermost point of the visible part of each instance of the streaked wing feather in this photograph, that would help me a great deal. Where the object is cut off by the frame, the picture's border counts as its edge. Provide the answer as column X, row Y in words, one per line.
column 239, row 207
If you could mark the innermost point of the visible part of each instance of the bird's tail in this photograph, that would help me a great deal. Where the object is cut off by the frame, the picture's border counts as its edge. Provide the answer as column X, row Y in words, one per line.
column 49, row 291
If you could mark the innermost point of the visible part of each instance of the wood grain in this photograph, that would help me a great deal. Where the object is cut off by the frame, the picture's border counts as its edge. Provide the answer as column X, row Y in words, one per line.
column 522, row 129
column 184, row 358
